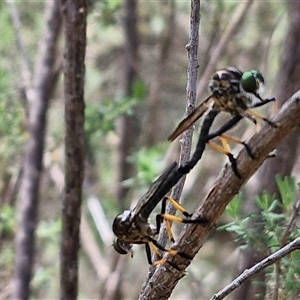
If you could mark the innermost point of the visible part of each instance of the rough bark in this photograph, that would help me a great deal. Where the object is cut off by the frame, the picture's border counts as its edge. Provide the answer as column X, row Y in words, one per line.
column 287, row 83
column 38, row 95
column 74, row 17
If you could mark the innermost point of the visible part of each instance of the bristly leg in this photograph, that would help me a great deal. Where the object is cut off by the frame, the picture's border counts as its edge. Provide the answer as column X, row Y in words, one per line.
column 155, row 246
column 171, row 218
column 224, row 149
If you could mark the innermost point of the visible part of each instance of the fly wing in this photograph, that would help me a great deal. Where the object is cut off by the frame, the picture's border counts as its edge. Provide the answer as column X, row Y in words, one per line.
column 156, row 192
column 196, row 114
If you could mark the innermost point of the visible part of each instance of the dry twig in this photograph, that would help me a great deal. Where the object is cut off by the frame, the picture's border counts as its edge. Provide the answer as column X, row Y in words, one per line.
column 292, row 246
column 186, row 141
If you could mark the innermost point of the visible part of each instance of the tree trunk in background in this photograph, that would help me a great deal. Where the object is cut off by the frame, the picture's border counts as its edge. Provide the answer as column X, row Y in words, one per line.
column 44, row 82
column 127, row 125
column 287, row 84
column 74, row 16
column 128, row 128
column 152, row 126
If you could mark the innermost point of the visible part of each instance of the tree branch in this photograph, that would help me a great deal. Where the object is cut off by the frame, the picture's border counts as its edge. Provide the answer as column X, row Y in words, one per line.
column 29, row 191
column 227, row 185
column 186, row 141
column 284, row 251
column 191, row 88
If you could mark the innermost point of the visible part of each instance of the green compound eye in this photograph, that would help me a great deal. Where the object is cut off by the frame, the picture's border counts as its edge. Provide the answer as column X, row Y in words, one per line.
column 251, row 81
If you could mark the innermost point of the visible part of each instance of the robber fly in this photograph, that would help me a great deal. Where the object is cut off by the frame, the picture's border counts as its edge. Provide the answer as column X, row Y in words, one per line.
column 231, row 91
column 236, row 93
column 132, row 227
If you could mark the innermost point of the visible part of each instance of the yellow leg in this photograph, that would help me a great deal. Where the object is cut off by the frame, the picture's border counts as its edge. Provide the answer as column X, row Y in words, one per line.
column 159, row 262
column 169, row 229
column 225, row 144
column 156, row 251
column 154, row 248
column 169, row 218
column 232, row 139
column 225, row 149
column 255, row 114
column 176, row 205
column 258, row 116
column 218, row 148
column 172, row 218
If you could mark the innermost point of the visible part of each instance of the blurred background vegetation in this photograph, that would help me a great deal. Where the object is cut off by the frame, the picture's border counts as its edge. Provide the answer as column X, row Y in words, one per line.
column 156, row 104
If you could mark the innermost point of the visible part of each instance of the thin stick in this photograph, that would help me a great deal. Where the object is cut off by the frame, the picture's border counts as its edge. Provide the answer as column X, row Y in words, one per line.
column 193, row 66
column 186, row 141
column 284, row 251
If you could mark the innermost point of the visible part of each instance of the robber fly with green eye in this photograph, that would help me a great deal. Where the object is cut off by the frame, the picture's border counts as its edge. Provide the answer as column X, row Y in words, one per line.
column 231, row 91
column 236, row 93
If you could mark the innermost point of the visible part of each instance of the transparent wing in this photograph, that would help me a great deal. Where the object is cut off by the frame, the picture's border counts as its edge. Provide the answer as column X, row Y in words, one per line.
column 189, row 120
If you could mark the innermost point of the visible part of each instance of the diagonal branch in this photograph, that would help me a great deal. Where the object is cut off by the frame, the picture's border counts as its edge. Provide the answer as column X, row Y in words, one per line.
column 271, row 259
column 226, row 186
